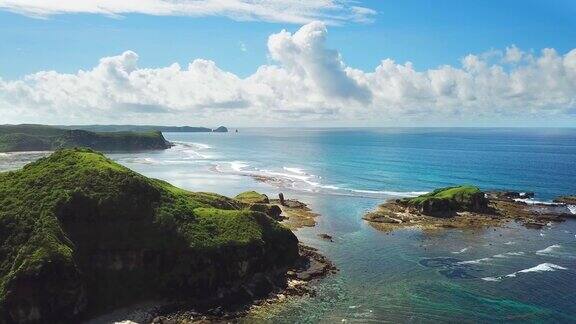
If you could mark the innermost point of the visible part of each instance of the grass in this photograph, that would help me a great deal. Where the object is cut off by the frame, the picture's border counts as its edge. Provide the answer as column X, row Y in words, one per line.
column 252, row 197
column 64, row 209
column 458, row 193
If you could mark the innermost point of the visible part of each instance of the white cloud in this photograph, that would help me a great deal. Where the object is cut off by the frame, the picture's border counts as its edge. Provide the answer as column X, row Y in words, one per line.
column 513, row 54
column 306, row 82
column 243, row 47
column 289, row 11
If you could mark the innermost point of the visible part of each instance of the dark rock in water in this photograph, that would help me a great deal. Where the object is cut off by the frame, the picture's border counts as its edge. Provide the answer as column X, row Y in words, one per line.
column 457, row 273
column 326, row 237
column 438, row 262
column 534, row 225
column 509, row 195
column 220, row 129
column 449, row 267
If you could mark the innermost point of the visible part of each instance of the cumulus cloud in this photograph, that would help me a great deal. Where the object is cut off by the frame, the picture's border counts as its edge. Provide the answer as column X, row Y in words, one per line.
column 289, row 11
column 305, row 82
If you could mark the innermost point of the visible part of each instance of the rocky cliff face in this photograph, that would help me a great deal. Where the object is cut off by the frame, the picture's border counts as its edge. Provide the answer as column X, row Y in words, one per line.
column 80, row 234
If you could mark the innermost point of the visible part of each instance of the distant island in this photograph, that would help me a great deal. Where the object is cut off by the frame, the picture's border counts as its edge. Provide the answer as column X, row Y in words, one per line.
column 49, row 138
column 467, row 207
column 146, row 128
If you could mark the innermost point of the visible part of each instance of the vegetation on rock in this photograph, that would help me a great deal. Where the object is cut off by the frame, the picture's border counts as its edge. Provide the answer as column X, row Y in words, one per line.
column 80, row 234
column 48, row 138
column 253, row 197
column 449, row 199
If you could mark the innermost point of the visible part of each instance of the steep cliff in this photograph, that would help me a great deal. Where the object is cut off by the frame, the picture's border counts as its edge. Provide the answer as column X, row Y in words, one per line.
column 80, row 234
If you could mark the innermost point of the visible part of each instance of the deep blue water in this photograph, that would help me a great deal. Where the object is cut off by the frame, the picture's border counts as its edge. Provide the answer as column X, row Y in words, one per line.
column 503, row 274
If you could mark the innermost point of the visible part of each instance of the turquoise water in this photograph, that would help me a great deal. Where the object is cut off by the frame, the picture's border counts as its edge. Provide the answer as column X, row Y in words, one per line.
column 504, row 274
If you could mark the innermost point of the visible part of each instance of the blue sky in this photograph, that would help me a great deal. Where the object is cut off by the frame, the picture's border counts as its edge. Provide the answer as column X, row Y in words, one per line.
column 340, row 62
column 427, row 33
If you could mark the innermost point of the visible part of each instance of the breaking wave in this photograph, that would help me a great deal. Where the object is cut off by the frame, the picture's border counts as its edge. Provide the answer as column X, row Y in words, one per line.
column 296, row 178
column 542, row 267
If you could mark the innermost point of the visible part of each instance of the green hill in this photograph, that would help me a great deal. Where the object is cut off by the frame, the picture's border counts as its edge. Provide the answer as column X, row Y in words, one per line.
column 449, row 199
column 47, row 138
column 80, row 234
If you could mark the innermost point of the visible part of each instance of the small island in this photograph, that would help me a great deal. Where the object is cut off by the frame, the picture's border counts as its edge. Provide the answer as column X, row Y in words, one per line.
column 81, row 235
column 14, row 138
column 465, row 207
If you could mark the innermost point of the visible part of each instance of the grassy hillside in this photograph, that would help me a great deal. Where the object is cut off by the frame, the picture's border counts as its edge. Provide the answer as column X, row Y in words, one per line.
column 46, row 138
column 80, row 233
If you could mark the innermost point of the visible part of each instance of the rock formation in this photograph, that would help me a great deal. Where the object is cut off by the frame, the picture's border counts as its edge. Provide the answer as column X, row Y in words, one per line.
column 80, row 234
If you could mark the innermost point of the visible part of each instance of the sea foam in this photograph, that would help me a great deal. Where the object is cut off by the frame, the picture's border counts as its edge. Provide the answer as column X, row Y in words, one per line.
column 542, row 267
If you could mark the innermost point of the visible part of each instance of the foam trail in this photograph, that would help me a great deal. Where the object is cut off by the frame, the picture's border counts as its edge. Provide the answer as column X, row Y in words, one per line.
column 530, row 201
column 238, row 166
column 572, row 209
column 295, row 170
column 549, row 250
column 391, row 193
column 298, row 179
column 477, row 261
column 542, row 267
column 461, row 251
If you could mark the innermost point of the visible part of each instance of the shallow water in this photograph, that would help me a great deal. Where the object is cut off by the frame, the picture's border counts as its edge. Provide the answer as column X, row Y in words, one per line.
column 504, row 274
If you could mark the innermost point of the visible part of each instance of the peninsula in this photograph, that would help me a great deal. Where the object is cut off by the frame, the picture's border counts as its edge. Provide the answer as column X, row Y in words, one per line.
column 48, row 138
column 147, row 128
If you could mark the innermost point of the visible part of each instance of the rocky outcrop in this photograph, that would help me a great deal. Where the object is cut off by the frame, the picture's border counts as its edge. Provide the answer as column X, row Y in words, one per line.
column 80, row 234
column 272, row 211
column 465, row 207
column 570, row 200
column 252, row 197
column 444, row 202
column 220, row 129
column 509, row 195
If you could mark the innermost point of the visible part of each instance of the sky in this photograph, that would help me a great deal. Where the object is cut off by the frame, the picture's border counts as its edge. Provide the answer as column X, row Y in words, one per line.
column 288, row 63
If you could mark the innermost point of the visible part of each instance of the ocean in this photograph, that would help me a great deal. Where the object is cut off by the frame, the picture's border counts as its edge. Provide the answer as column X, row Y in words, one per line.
column 498, row 274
